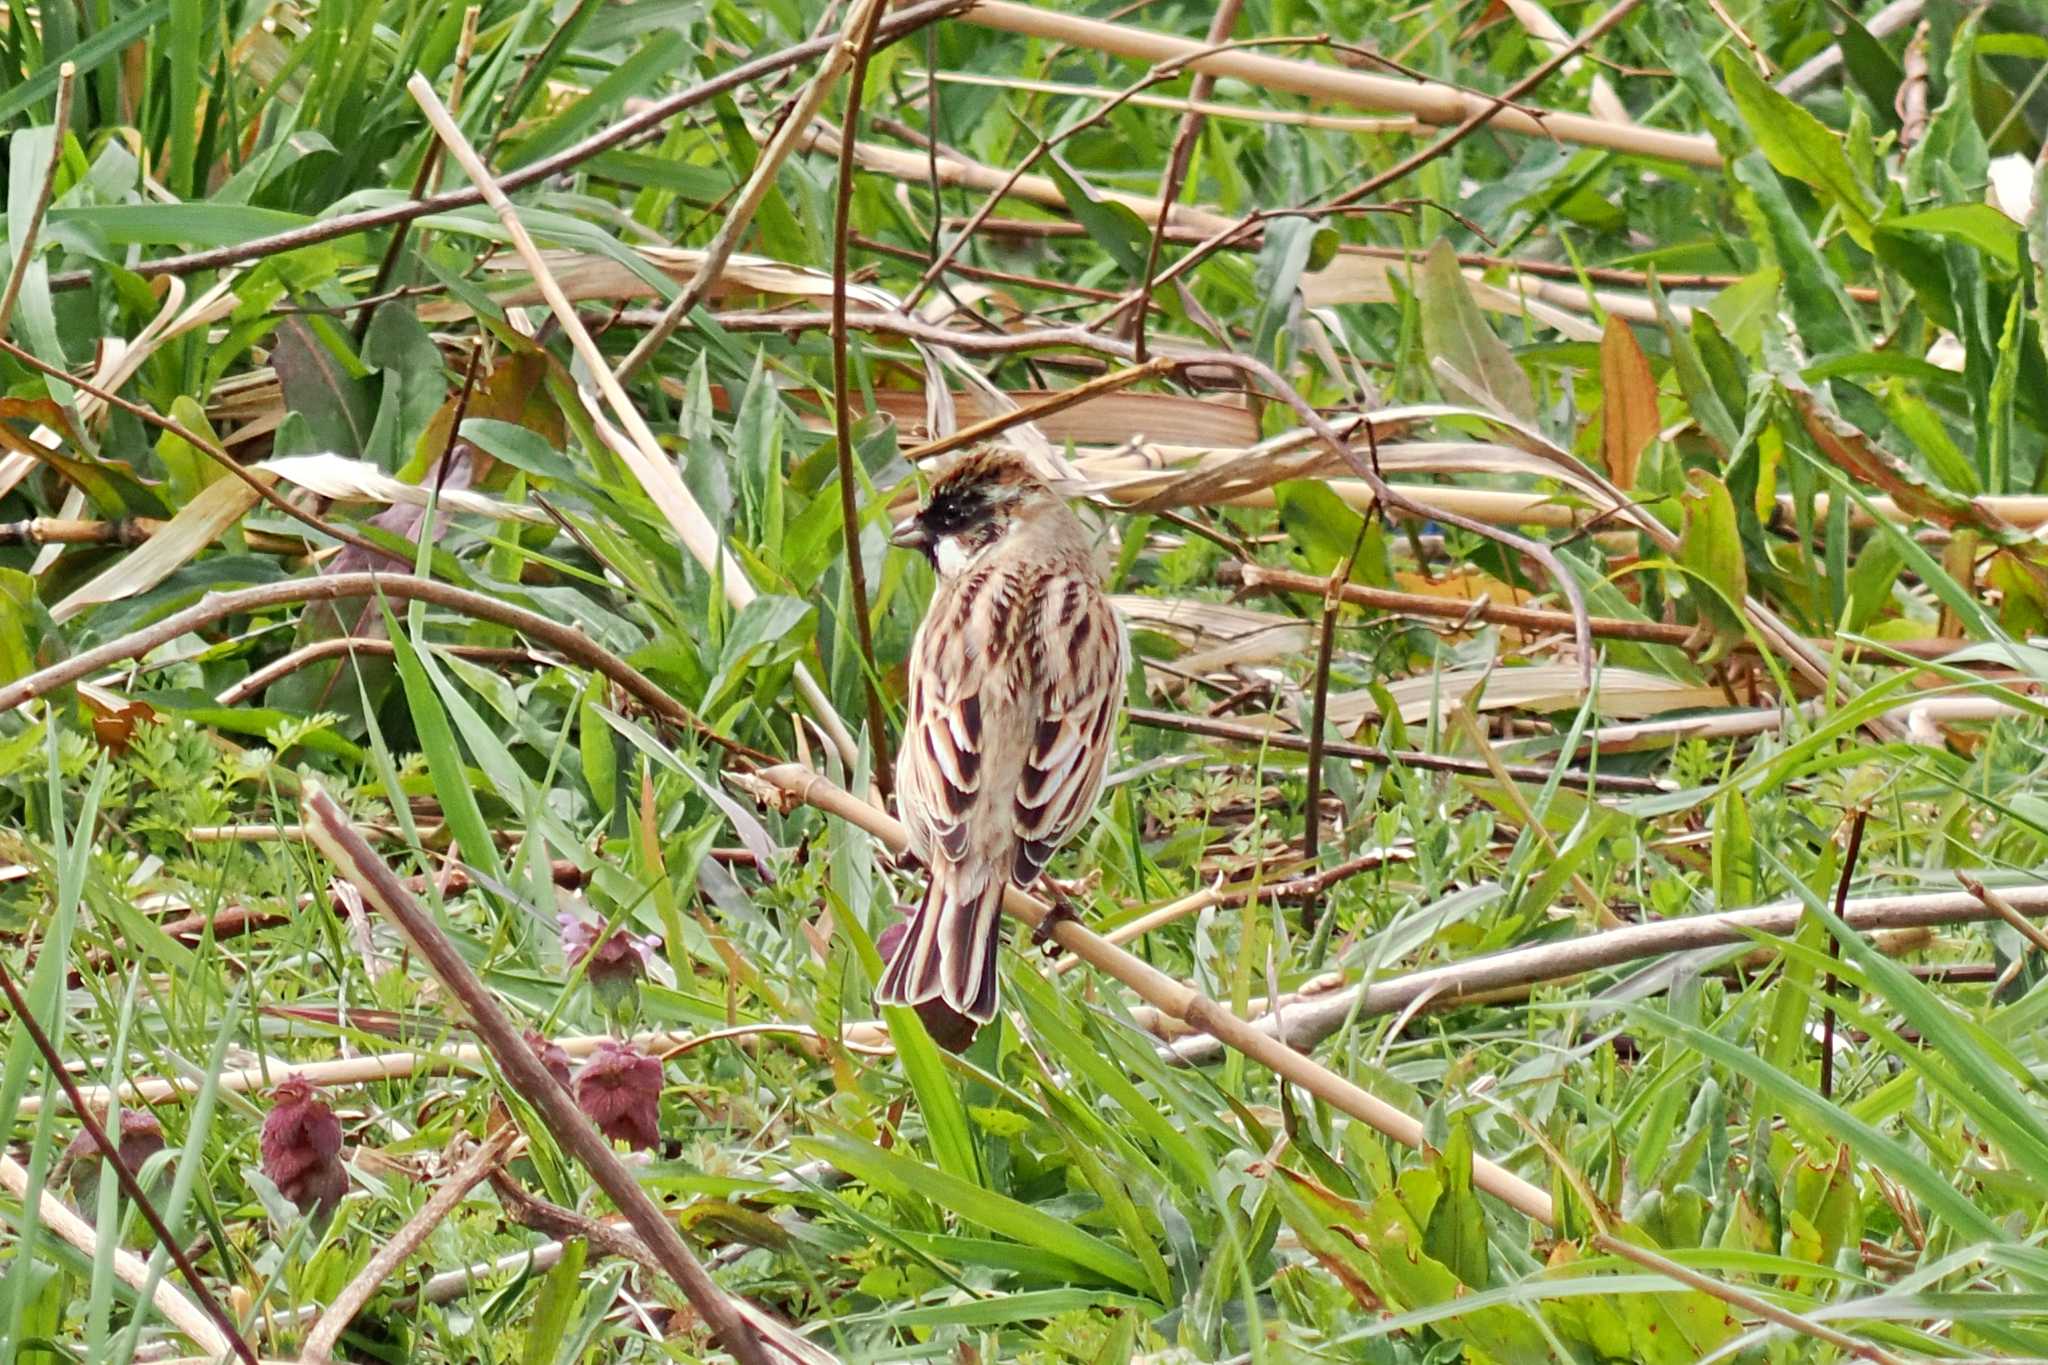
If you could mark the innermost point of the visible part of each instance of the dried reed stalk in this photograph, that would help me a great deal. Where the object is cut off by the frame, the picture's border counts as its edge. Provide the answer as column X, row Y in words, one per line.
column 1305, row 1024
column 131, row 1269
column 1429, row 101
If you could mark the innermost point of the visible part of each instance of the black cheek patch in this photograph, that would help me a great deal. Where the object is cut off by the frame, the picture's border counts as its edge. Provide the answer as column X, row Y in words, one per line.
column 951, row 511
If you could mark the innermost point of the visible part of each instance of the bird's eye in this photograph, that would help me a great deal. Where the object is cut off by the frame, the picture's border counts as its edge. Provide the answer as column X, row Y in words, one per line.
column 953, row 510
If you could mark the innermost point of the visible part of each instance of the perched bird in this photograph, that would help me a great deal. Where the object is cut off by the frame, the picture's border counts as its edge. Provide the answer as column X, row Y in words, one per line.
column 1015, row 676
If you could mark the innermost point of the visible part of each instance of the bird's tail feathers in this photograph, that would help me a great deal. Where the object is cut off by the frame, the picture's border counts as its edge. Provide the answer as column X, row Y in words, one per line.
column 951, row 949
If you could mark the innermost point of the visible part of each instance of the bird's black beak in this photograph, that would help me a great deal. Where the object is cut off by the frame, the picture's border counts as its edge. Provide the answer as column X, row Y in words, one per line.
column 912, row 535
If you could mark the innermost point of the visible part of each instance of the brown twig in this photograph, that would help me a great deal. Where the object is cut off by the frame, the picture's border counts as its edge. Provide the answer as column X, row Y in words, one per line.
column 307, row 655
column 554, row 1221
column 1524, row 265
column 110, row 1151
column 1319, row 709
column 997, row 423
column 1827, row 1018
column 213, row 449
column 1166, row 70
column 2005, row 910
column 126, row 533
column 1749, row 1302
column 371, row 1068
column 1220, row 26
column 1487, row 111
column 854, row 42
column 978, row 272
column 860, row 32
column 565, row 640
column 1467, row 767
column 426, row 178
column 24, row 237
column 1294, row 891
column 385, row 1261
column 567, row 1126
column 1536, row 620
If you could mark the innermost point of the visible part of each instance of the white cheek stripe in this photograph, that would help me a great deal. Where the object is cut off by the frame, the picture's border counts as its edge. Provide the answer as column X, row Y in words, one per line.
column 951, row 554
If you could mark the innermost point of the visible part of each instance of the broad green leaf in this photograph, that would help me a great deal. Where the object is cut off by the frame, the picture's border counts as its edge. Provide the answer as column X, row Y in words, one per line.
column 1711, row 547
column 905, row 1177
column 1798, row 145
column 1326, row 530
column 1977, row 225
column 1894, row 1157
column 1469, row 362
column 946, row 1129
column 1456, row 1233
column 1378, row 1249
column 1113, row 225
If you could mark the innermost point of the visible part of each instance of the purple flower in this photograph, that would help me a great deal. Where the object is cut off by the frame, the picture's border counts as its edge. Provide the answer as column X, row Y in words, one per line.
column 551, row 1056
column 614, row 967
column 620, row 1089
column 141, row 1137
column 302, row 1147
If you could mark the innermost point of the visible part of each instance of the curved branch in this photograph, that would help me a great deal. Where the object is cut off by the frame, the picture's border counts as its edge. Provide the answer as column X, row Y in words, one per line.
column 234, row 694
column 565, row 640
column 796, row 783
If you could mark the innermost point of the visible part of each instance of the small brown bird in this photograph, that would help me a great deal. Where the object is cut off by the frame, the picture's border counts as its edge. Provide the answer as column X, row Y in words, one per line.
column 1015, row 676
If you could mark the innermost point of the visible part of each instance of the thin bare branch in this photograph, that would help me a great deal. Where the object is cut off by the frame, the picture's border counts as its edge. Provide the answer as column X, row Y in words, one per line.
column 906, row 20
column 860, row 32
column 566, row 640
column 566, row 1125
column 1308, row 1024
column 857, row 35
column 384, row 1263
column 1220, row 25
column 264, row 488
column 1411, row 758
column 1179, row 999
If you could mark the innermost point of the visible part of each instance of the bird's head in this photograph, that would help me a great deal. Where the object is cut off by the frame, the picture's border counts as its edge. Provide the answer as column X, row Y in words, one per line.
column 975, row 502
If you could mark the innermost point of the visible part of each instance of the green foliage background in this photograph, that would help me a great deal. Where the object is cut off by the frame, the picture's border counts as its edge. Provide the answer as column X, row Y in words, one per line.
column 1837, row 313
